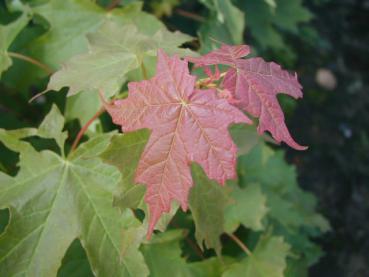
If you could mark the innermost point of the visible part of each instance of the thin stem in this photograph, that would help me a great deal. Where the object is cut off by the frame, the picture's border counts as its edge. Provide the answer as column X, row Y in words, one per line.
column 85, row 127
column 240, row 244
column 190, row 242
column 144, row 71
column 47, row 69
column 190, row 15
column 207, row 81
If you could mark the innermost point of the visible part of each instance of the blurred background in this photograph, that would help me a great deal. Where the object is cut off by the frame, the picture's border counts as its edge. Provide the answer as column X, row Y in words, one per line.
column 325, row 41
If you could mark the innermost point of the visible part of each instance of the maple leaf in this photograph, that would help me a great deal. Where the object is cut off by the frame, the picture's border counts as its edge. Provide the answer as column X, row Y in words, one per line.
column 114, row 51
column 188, row 125
column 53, row 201
column 8, row 33
column 255, row 84
column 267, row 259
column 225, row 22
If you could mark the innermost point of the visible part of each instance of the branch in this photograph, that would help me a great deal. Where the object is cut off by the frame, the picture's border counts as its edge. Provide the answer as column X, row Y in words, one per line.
column 240, row 244
column 85, row 127
column 44, row 67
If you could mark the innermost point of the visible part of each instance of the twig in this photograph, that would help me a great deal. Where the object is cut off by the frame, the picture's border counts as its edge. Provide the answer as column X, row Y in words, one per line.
column 47, row 69
column 240, row 244
column 190, row 15
column 85, row 127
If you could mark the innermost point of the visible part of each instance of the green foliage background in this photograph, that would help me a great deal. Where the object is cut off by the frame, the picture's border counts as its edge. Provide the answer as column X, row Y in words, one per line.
column 80, row 214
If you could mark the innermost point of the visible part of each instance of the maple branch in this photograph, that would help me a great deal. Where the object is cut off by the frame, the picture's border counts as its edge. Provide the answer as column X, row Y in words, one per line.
column 44, row 67
column 240, row 244
column 85, row 127
column 190, row 15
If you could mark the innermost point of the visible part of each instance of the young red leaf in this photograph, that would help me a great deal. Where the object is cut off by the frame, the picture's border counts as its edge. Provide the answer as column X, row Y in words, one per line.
column 255, row 84
column 188, row 125
column 226, row 54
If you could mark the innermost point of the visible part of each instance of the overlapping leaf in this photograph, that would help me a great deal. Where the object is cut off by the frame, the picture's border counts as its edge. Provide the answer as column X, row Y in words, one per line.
column 225, row 23
column 66, row 36
column 114, row 51
column 68, row 22
column 267, row 259
column 254, row 85
column 265, row 20
column 164, row 258
column 52, row 201
column 7, row 35
column 188, row 125
column 124, row 152
column 291, row 210
column 247, row 207
column 207, row 202
column 288, row 204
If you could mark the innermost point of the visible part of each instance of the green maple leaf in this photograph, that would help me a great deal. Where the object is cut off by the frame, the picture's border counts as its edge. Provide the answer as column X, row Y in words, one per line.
column 247, row 208
column 245, row 137
column 211, row 204
column 291, row 210
column 53, row 201
column 207, row 202
column 264, row 22
column 288, row 204
column 267, row 259
column 114, row 51
column 7, row 35
column 71, row 20
column 124, row 152
column 226, row 23
column 207, row 199
column 163, row 255
column 82, row 106
column 164, row 258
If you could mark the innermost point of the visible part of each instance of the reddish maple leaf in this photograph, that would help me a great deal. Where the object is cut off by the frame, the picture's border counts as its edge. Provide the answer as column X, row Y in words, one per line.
column 188, row 125
column 254, row 85
column 226, row 54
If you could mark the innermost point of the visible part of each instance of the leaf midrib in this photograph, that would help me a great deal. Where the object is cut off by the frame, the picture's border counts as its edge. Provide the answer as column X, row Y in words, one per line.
column 107, row 232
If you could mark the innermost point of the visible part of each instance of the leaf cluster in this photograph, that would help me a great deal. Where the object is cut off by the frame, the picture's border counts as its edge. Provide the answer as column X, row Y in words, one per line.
column 81, row 213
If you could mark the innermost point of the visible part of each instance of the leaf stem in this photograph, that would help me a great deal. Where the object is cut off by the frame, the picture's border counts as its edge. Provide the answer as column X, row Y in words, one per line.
column 85, row 127
column 44, row 67
column 190, row 15
column 144, row 71
column 240, row 244
column 207, row 81
column 190, row 242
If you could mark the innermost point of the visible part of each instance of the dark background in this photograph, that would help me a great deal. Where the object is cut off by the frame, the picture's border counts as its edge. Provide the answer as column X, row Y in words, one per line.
column 335, row 126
